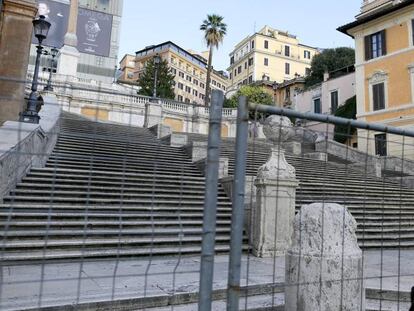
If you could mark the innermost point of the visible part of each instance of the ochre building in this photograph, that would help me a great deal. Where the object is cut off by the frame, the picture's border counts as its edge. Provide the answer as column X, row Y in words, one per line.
column 384, row 42
column 189, row 68
column 269, row 55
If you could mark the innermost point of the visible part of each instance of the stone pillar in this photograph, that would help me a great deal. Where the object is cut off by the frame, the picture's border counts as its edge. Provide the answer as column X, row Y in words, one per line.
column 324, row 264
column 69, row 54
column 15, row 38
column 276, row 185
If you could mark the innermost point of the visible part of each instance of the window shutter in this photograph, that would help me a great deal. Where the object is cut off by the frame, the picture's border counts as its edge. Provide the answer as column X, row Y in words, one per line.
column 368, row 51
column 384, row 42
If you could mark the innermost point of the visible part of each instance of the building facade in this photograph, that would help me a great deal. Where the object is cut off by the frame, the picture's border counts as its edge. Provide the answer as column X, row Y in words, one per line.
column 98, row 35
column 270, row 55
column 384, row 41
column 326, row 98
column 189, row 68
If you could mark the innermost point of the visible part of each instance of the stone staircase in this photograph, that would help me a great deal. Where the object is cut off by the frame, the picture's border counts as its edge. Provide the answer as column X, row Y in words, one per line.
column 108, row 191
column 383, row 208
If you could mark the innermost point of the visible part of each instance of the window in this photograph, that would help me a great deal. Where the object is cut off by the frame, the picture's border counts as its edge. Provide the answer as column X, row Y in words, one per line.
column 266, row 61
column 287, row 50
column 179, row 98
column 378, row 96
column 239, row 69
column 307, row 54
column 187, row 100
column 251, row 79
column 218, row 85
column 235, row 72
column 245, row 65
column 214, row 82
column 287, row 68
column 188, row 78
column 181, row 74
column 334, row 101
column 375, row 45
column 252, row 44
column 307, row 71
column 381, row 145
column 231, row 75
column 232, row 60
column 317, row 108
column 195, row 93
column 287, row 94
column 195, row 81
column 188, row 89
column 245, row 81
column 251, row 61
column 173, row 71
column 180, row 86
column 202, row 85
column 266, row 44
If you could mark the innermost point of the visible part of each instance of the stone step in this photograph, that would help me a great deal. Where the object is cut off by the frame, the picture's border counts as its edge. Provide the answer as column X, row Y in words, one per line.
column 106, row 242
column 120, row 223
column 99, row 201
column 130, row 187
column 109, row 175
column 151, row 232
column 62, row 194
column 145, row 207
column 102, row 253
column 122, row 164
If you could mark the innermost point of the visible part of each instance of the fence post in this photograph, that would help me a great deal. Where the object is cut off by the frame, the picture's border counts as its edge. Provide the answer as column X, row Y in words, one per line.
column 210, row 202
column 237, row 218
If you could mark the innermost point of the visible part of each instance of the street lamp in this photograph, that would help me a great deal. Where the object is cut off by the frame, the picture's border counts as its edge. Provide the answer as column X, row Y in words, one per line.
column 157, row 61
column 53, row 52
column 41, row 29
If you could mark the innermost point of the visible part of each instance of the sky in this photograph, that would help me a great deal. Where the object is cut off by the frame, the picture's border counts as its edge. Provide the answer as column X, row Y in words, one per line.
column 152, row 22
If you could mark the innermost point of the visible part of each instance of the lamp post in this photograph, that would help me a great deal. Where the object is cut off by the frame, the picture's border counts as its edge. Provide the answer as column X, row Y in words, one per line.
column 41, row 29
column 53, row 52
column 157, row 61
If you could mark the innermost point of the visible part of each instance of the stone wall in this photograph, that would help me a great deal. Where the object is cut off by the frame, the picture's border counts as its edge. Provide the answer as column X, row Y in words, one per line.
column 25, row 145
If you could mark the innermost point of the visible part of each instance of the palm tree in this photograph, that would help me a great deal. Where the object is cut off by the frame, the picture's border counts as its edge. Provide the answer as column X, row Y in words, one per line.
column 214, row 32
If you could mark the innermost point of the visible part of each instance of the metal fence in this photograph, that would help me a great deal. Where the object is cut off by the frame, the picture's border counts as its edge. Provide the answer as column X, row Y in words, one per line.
column 98, row 215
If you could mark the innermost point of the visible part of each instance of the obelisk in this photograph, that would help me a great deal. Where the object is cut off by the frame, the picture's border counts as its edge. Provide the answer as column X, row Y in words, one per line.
column 69, row 54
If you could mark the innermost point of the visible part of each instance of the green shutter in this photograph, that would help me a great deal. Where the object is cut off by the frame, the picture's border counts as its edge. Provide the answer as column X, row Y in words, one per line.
column 368, row 51
column 384, row 42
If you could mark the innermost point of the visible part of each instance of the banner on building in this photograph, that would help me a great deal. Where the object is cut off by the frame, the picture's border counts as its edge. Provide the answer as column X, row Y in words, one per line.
column 93, row 29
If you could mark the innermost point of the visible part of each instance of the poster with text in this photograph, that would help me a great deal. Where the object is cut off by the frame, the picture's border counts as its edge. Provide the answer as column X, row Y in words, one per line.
column 94, row 32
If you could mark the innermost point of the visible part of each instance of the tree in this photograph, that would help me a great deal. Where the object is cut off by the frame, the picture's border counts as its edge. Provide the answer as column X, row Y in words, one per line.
column 214, row 32
column 255, row 94
column 348, row 110
column 165, row 80
column 329, row 60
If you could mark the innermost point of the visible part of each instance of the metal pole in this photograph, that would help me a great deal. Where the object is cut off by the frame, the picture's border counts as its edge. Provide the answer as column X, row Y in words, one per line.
column 210, row 202
column 237, row 218
column 31, row 115
column 154, row 93
column 332, row 119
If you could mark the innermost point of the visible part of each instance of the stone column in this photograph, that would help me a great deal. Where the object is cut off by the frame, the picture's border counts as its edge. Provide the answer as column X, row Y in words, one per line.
column 69, row 54
column 274, row 211
column 324, row 264
column 15, row 37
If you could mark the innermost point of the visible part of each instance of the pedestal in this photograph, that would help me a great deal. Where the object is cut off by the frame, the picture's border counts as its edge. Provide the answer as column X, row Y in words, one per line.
column 68, row 61
column 324, row 264
column 273, row 216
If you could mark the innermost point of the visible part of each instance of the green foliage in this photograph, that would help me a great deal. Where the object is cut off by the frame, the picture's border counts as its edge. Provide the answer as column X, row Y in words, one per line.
column 329, row 60
column 254, row 94
column 214, row 32
column 165, row 80
column 348, row 110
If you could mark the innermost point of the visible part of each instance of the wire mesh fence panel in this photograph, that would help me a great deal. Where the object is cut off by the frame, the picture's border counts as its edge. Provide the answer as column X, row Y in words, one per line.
column 329, row 211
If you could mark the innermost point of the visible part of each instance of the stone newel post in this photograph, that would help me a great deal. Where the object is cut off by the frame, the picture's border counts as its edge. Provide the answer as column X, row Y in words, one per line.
column 276, row 185
column 324, row 264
